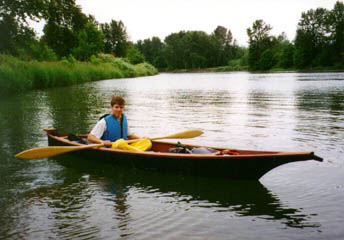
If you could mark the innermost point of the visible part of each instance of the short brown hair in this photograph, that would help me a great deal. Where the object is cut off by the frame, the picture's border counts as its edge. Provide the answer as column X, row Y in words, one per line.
column 117, row 100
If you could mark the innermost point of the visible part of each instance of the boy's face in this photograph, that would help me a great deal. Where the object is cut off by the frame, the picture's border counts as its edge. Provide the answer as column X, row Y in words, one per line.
column 117, row 110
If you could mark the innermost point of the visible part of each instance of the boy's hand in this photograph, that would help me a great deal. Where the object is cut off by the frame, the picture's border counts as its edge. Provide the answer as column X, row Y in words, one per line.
column 107, row 143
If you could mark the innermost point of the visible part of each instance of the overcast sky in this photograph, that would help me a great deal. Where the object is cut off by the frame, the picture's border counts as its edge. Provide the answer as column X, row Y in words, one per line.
column 148, row 18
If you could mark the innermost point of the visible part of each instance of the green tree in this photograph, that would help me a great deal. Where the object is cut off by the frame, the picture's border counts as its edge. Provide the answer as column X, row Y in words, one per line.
column 223, row 35
column 134, row 55
column 42, row 52
column 22, row 10
column 15, row 34
column 336, row 29
column 153, row 49
column 64, row 21
column 260, row 40
column 90, row 42
column 224, row 46
column 286, row 59
column 116, row 38
column 174, row 50
column 311, row 38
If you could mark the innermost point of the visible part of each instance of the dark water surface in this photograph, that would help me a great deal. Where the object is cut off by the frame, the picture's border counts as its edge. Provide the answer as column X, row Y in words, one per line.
column 72, row 198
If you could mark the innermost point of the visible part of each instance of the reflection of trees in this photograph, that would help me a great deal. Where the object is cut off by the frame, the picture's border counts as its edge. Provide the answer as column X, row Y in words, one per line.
column 200, row 105
column 332, row 101
column 21, row 120
column 20, row 116
column 321, row 110
column 77, row 108
column 71, row 108
column 77, row 208
column 261, row 100
column 261, row 107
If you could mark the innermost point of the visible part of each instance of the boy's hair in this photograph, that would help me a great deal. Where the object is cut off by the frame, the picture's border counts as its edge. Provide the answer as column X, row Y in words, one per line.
column 117, row 100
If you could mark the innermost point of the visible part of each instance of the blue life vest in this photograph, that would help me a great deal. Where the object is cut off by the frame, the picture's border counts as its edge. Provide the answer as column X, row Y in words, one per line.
column 113, row 128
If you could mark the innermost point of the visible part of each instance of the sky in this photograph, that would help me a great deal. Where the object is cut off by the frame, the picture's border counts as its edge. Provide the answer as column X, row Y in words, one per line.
column 148, row 18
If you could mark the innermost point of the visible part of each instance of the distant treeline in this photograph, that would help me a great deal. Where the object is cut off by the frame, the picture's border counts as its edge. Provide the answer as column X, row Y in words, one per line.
column 319, row 44
column 319, row 41
column 192, row 50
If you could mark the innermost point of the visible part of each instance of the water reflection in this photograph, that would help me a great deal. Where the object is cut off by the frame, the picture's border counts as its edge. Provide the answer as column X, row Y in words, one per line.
column 324, row 111
column 70, row 108
column 91, row 187
column 320, row 100
column 70, row 198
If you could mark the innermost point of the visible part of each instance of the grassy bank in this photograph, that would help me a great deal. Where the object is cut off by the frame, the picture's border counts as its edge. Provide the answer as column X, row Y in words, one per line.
column 17, row 75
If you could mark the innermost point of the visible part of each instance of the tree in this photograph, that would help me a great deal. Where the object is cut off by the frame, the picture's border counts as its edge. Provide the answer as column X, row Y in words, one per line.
column 134, row 55
column 116, row 38
column 175, row 50
column 90, row 42
column 186, row 50
column 286, row 59
column 259, row 41
column 16, row 35
column 336, row 29
column 152, row 49
column 311, row 38
column 223, row 46
column 223, row 35
column 22, row 10
column 64, row 21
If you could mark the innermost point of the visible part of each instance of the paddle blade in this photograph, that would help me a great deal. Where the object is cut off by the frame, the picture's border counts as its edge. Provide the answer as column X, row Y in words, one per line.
column 42, row 152
column 185, row 134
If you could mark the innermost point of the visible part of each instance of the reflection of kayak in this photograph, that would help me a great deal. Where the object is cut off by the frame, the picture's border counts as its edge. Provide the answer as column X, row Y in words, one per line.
column 245, row 198
column 243, row 164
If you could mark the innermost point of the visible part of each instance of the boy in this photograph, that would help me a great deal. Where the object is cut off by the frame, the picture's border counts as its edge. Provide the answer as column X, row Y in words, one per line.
column 112, row 127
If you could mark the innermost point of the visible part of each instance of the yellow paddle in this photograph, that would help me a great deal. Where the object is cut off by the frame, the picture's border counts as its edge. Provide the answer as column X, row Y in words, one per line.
column 50, row 151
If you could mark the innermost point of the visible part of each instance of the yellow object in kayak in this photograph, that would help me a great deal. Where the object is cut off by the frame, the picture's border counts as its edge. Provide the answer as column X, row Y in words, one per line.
column 140, row 145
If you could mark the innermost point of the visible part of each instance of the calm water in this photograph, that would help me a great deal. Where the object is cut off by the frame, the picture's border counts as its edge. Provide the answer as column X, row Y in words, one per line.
column 72, row 198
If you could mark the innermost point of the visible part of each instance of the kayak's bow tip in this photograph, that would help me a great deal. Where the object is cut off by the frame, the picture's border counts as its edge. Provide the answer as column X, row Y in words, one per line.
column 317, row 158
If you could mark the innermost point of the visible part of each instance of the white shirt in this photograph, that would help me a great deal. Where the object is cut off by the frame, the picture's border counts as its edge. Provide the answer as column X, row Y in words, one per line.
column 99, row 129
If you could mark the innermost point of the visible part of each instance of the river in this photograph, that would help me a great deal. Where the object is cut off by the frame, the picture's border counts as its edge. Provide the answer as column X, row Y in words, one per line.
column 70, row 198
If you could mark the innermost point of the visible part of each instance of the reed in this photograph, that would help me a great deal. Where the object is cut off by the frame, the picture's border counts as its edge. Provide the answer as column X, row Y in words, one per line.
column 17, row 75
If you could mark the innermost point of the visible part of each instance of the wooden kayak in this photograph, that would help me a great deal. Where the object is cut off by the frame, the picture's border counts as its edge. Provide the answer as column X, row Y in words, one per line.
column 243, row 164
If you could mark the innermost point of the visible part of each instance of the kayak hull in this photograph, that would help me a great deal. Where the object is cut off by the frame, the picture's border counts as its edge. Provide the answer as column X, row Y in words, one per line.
column 247, row 164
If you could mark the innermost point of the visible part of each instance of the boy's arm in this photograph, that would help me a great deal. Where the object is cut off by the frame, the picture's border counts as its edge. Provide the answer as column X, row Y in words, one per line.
column 94, row 139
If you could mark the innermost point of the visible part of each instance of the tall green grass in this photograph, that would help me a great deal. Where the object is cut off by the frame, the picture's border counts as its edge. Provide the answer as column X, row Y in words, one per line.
column 17, row 75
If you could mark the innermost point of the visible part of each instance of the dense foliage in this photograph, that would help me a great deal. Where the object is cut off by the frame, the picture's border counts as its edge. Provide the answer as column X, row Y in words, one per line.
column 68, row 32
column 318, row 43
column 191, row 49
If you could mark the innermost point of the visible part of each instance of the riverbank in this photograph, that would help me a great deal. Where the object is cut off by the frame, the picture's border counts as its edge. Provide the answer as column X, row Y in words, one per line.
column 214, row 69
column 245, row 69
column 17, row 75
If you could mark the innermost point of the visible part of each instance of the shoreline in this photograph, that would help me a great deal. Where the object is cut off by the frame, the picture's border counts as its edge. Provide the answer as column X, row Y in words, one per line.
column 227, row 69
column 18, row 75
